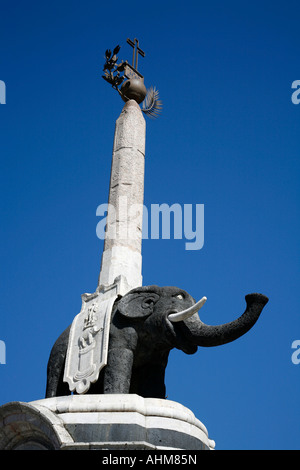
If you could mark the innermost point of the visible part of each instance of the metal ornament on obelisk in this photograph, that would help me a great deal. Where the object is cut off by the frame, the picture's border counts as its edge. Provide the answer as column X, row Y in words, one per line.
column 121, row 266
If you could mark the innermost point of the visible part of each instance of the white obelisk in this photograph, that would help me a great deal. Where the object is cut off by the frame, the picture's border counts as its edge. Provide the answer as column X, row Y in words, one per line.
column 123, row 238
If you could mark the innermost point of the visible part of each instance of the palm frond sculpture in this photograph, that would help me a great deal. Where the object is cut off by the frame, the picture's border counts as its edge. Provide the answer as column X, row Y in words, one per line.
column 152, row 105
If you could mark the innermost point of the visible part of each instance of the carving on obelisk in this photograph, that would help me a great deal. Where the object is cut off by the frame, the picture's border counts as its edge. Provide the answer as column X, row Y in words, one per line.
column 88, row 342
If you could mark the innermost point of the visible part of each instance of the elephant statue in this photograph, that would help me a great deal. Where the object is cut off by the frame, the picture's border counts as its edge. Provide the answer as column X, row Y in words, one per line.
column 146, row 323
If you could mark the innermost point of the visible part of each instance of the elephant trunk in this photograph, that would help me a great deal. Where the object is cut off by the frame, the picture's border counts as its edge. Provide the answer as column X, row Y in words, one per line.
column 209, row 335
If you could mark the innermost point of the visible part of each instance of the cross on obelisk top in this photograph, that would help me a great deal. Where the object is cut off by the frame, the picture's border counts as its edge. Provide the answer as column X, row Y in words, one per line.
column 128, row 81
column 136, row 51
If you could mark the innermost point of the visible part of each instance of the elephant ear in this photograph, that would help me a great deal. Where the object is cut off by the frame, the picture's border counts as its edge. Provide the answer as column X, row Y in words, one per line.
column 138, row 303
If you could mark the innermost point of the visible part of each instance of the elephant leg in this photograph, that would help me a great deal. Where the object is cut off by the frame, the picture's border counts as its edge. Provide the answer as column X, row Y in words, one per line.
column 117, row 373
column 55, row 369
column 150, row 381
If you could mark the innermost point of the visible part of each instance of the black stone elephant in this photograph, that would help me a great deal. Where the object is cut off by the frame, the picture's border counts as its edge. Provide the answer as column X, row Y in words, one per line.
column 145, row 325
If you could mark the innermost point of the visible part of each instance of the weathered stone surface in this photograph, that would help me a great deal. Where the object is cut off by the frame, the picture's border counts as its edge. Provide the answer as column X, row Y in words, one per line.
column 23, row 426
column 111, row 422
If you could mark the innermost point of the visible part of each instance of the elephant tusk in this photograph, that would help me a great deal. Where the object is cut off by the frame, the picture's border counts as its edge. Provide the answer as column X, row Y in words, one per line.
column 179, row 316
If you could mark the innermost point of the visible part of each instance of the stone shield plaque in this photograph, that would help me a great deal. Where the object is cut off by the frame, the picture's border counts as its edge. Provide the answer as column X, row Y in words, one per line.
column 88, row 342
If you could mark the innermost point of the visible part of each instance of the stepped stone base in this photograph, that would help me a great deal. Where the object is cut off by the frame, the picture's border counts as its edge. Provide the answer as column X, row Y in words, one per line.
column 106, row 422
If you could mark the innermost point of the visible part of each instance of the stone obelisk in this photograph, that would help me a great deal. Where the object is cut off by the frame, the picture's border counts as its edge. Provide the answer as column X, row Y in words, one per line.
column 123, row 238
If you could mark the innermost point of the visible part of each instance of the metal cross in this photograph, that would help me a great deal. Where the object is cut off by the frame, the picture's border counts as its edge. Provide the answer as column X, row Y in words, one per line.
column 136, row 51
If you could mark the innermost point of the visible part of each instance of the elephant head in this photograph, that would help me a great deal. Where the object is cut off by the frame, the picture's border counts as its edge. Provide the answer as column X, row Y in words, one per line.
column 174, row 311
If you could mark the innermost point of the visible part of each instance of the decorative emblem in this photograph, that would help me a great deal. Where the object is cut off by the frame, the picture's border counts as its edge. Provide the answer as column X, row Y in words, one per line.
column 88, row 343
column 133, row 87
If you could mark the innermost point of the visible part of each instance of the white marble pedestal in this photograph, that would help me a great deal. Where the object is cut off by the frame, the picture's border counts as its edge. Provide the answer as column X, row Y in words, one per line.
column 104, row 422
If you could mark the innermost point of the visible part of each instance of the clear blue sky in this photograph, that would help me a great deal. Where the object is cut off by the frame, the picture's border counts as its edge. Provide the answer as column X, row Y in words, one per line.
column 228, row 138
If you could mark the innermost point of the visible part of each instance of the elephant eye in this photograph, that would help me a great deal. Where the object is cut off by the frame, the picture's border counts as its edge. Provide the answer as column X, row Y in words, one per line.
column 179, row 296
